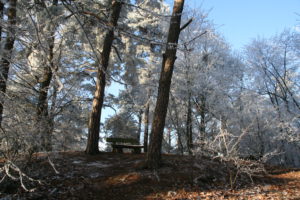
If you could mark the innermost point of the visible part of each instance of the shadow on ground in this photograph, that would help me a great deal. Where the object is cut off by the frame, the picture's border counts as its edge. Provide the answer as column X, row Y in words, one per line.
column 121, row 176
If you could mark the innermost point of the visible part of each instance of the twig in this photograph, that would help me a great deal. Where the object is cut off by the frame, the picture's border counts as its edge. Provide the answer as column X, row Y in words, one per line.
column 52, row 165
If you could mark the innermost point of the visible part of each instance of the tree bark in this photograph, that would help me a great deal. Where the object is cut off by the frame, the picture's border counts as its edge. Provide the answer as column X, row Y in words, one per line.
column 1, row 17
column 154, row 153
column 223, row 131
column 179, row 143
column 169, row 139
column 95, row 116
column 7, row 50
column 177, row 126
column 138, row 137
column 189, row 126
column 42, row 105
column 261, row 148
column 146, row 120
column 202, row 110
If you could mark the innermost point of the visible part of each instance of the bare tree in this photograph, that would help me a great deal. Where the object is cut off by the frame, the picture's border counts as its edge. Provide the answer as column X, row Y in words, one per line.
column 154, row 153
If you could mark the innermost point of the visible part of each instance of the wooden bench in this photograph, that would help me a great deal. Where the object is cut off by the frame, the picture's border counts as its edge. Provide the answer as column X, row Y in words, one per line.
column 118, row 144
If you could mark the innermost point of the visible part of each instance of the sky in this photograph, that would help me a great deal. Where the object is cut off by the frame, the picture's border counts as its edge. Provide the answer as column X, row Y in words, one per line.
column 239, row 21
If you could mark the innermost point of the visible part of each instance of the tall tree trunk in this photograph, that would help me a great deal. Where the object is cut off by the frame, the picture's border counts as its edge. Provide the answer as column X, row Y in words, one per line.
column 200, row 106
column 1, row 17
column 240, row 108
column 189, row 126
column 261, row 147
column 202, row 110
column 7, row 50
column 224, row 138
column 177, row 126
column 154, row 153
column 146, row 121
column 95, row 116
column 51, row 111
column 42, row 105
column 169, row 139
column 138, row 137
column 179, row 143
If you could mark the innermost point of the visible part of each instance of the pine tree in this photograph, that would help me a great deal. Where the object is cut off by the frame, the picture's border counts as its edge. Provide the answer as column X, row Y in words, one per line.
column 169, row 57
column 95, row 116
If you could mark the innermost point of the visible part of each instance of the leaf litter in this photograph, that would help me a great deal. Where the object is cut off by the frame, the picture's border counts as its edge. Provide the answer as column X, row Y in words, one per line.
column 123, row 176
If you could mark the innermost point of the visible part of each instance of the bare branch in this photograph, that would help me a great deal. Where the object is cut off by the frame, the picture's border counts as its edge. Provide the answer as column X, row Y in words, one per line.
column 186, row 24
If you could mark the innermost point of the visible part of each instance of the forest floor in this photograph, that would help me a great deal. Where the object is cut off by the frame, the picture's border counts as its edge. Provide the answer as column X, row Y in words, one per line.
column 115, row 176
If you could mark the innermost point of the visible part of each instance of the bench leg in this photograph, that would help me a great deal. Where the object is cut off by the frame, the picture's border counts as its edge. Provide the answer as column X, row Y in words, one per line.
column 137, row 150
column 120, row 150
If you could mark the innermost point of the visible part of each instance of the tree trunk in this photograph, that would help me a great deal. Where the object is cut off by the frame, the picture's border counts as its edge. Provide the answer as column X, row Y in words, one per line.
column 51, row 112
column 42, row 105
column 261, row 148
column 224, row 138
column 154, row 153
column 138, row 137
column 7, row 50
column 169, row 139
column 202, row 110
column 95, row 116
column 189, row 126
column 200, row 106
column 179, row 143
column 42, row 109
column 146, row 121
column 177, row 126
column 1, row 17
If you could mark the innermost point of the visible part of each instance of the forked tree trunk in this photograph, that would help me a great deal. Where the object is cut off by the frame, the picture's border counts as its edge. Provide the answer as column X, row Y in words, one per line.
column 95, row 116
column 7, row 50
column 154, row 153
column 42, row 105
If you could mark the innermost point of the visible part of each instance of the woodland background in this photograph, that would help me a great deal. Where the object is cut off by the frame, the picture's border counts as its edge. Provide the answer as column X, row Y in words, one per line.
column 55, row 54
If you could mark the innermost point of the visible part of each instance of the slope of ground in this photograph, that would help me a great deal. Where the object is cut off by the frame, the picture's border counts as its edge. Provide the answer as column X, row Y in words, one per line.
column 121, row 176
